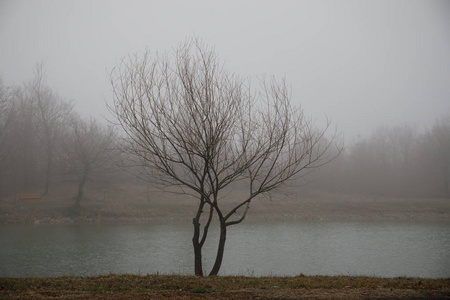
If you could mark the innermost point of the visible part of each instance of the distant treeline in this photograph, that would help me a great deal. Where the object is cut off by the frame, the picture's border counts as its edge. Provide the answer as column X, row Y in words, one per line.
column 44, row 142
column 393, row 161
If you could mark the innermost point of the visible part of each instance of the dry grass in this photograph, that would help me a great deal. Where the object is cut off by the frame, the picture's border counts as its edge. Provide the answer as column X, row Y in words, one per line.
column 136, row 203
column 227, row 287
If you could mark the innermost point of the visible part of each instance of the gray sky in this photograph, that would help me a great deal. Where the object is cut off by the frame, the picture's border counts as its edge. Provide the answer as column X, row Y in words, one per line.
column 361, row 63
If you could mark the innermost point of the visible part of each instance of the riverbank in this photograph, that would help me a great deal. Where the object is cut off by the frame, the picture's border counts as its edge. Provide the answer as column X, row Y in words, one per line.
column 226, row 287
column 137, row 204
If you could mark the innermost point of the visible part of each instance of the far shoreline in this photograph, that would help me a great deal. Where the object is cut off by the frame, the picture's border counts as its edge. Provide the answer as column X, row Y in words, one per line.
column 131, row 221
column 132, row 204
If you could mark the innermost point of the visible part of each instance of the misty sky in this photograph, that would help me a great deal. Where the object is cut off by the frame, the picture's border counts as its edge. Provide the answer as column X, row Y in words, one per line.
column 361, row 63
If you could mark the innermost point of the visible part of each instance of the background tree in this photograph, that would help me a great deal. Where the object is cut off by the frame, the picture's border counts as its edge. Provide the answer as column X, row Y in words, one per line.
column 33, row 119
column 88, row 150
column 6, row 116
column 436, row 147
column 403, row 139
column 53, row 113
column 5, row 108
column 383, row 163
column 25, row 155
column 196, row 127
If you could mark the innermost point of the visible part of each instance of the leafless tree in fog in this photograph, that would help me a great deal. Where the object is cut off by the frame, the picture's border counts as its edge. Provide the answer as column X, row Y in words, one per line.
column 6, row 110
column 88, row 148
column 437, row 145
column 195, row 126
column 6, row 115
column 403, row 138
column 25, row 156
column 53, row 114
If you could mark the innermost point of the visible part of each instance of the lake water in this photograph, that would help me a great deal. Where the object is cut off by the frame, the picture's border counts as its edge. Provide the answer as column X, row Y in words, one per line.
column 387, row 249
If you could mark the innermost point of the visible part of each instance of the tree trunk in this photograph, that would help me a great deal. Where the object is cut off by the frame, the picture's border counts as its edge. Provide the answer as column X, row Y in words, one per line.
column 196, row 239
column 220, row 249
column 80, row 188
column 48, row 172
column 446, row 180
column 80, row 193
column 197, row 248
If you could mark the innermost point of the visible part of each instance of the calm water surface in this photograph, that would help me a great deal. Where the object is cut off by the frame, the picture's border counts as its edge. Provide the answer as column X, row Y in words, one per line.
column 386, row 249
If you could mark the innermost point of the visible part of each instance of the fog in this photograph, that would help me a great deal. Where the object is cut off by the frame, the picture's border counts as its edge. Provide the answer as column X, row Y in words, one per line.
column 379, row 70
column 362, row 64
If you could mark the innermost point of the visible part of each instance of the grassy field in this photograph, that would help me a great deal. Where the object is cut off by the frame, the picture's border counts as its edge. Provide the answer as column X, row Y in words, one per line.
column 137, row 203
column 226, row 287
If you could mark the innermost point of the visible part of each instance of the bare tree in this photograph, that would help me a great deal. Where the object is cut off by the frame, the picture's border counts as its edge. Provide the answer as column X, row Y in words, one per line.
column 7, row 112
column 25, row 156
column 436, row 144
column 403, row 138
column 53, row 113
column 4, row 108
column 88, row 149
column 194, row 126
